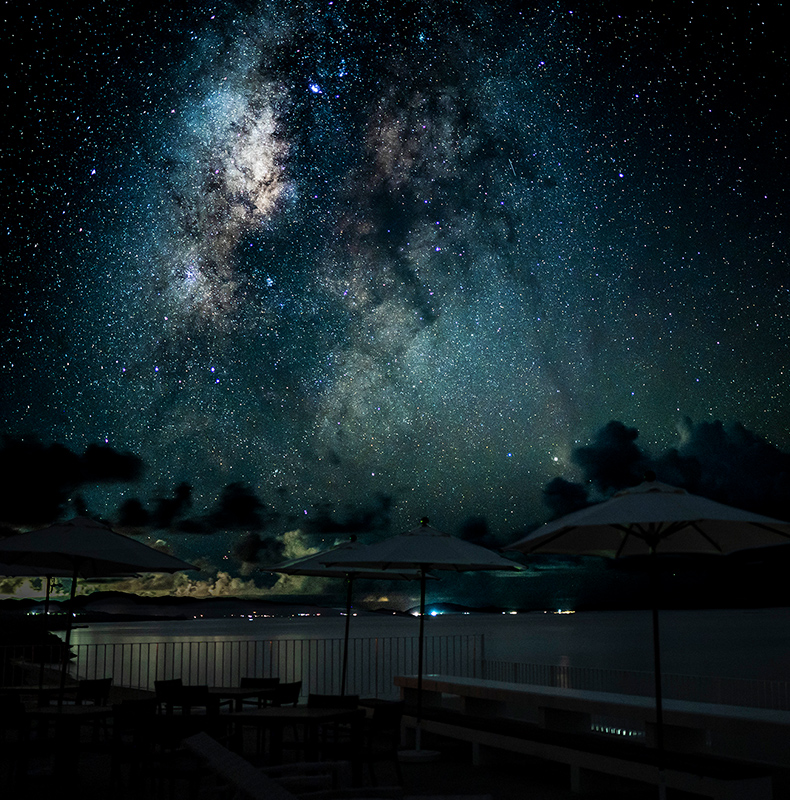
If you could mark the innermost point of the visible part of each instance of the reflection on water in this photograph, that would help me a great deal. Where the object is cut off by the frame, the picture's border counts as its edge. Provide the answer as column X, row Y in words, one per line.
column 745, row 643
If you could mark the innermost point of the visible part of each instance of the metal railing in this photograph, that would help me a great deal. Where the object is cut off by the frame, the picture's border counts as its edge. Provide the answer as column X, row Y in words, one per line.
column 698, row 688
column 373, row 662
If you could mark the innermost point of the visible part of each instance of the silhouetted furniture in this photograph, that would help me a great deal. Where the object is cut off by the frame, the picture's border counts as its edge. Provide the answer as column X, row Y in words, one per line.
column 185, row 709
column 277, row 696
column 136, row 741
column 310, row 776
column 285, row 694
column 231, row 769
column 257, row 683
column 332, row 700
column 382, row 738
column 167, row 694
column 14, row 738
column 93, row 691
column 63, row 724
column 247, row 782
column 306, row 722
column 336, row 738
column 196, row 699
column 249, row 692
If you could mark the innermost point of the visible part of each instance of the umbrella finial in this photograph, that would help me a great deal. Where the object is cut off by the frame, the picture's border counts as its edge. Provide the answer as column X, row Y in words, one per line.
column 650, row 476
column 424, row 522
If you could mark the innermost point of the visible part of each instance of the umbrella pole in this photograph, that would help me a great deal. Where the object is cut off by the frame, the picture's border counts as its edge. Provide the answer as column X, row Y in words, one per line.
column 48, row 580
column 67, row 644
column 662, row 789
column 349, row 584
column 420, row 650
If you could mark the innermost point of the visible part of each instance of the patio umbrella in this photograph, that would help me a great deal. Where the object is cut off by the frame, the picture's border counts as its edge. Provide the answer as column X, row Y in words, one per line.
column 422, row 549
column 84, row 548
column 313, row 566
column 651, row 519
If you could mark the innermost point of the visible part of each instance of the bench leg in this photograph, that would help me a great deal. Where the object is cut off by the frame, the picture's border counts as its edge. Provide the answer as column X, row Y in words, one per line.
column 580, row 780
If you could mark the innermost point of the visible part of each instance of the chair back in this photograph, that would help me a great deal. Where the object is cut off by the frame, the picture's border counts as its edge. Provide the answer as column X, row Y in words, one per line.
column 332, row 700
column 286, row 694
column 93, row 691
column 197, row 698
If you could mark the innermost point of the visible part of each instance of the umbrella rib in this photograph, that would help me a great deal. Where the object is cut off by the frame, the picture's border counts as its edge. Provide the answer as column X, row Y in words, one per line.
column 770, row 528
column 705, row 536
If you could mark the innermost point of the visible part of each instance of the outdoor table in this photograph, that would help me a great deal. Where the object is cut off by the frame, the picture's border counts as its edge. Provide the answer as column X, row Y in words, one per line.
column 238, row 694
column 309, row 720
column 65, row 722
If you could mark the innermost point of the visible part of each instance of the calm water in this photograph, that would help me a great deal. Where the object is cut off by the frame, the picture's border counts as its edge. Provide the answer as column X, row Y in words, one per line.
column 752, row 643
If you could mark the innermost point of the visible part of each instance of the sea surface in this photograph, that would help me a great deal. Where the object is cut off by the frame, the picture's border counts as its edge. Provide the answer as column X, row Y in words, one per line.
column 739, row 643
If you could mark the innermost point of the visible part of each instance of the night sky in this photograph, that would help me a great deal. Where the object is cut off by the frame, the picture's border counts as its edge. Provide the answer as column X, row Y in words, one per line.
column 369, row 263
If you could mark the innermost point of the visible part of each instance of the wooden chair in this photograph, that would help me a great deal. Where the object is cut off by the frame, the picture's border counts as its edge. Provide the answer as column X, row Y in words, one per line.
column 335, row 738
column 167, row 694
column 95, row 692
column 285, row 694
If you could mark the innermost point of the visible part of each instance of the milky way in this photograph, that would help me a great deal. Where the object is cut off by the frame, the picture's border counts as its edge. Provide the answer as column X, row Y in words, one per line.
column 339, row 253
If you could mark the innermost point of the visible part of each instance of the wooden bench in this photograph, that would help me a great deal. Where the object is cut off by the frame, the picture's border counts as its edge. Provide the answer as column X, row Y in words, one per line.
column 555, row 725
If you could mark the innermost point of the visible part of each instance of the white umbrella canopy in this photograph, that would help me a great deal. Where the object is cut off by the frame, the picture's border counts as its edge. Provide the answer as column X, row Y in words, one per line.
column 423, row 548
column 85, row 548
column 655, row 517
column 651, row 519
column 313, row 566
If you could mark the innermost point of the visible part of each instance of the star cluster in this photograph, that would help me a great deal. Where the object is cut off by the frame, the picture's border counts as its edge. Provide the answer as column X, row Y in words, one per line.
column 337, row 250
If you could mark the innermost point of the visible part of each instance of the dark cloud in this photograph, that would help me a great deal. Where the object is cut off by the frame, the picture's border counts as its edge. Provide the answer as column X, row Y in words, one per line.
column 133, row 514
column 725, row 462
column 40, row 479
column 255, row 549
column 562, row 497
column 372, row 518
column 731, row 464
column 476, row 530
column 614, row 460
column 103, row 464
column 168, row 509
column 239, row 508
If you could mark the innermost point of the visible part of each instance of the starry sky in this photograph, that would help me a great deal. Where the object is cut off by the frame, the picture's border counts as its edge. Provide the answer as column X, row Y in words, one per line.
column 373, row 261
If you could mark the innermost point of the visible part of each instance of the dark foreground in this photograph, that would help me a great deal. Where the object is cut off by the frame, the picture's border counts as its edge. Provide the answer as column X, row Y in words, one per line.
column 452, row 774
